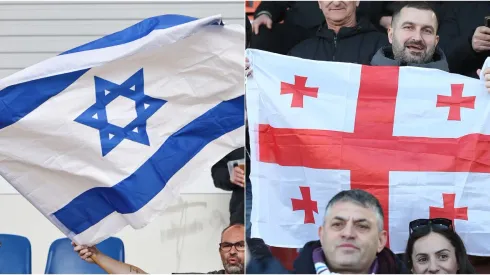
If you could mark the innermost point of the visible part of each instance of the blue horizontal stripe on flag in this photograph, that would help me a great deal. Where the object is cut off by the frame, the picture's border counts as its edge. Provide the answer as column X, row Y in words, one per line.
column 136, row 31
column 134, row 192
column 18, row 100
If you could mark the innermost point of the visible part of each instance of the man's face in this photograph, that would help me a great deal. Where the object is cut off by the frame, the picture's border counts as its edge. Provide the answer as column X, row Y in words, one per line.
column 232, row 256
column 351, row 238
column 338, row 10
column 413, row 36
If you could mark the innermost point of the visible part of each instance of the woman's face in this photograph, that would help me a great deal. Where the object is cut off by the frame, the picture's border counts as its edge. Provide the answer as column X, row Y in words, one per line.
column 434, row 254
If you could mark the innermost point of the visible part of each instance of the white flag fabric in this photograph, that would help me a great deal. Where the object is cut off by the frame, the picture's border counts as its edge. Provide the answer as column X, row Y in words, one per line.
column 466, row 199
column 416, row 138
column 106, row 134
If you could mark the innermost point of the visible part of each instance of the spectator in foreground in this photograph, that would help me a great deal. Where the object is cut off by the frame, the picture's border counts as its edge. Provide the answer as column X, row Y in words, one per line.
column 433, row 247
column 231, row 250
column 352, row 240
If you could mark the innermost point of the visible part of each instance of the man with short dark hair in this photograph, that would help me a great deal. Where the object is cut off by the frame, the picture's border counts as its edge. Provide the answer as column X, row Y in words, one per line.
column 414, row 39
column 352, row 240
column 351, row 236
column 231, row 249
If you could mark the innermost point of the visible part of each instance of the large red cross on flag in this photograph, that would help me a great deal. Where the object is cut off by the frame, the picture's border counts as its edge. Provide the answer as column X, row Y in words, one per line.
column 381, row 129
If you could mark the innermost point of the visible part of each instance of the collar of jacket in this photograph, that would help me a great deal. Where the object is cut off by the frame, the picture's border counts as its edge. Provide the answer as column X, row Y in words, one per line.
column 387, row 260
column 363, row 26
column 384, row 57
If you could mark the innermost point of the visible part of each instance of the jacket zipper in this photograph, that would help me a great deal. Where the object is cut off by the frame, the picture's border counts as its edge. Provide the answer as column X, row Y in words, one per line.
column 334, row 46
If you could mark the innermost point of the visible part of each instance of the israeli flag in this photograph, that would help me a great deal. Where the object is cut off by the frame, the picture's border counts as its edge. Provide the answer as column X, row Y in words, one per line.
column 106, row 134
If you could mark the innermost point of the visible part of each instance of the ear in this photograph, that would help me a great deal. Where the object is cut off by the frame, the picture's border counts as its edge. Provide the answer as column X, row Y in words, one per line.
column 320, row 4
column 320, row 233
column 382, row 240
column 437, row 39
column 390, row 35
column 357, row 3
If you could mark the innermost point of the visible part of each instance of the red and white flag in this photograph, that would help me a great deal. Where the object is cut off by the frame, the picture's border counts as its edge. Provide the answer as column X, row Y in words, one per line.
column 418, row 139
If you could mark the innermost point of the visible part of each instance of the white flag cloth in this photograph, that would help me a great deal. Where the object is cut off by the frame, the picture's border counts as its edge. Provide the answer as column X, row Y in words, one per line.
column 106, row 134
column 418, row 139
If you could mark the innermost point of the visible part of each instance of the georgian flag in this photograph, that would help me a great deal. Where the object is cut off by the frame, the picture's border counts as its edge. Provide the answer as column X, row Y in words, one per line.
column 418, row 139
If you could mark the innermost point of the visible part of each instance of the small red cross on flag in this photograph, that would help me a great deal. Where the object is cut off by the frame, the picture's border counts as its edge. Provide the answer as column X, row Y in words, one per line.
column 456, row 101
column 306, row 204
column 298, row 90
column 449, row 211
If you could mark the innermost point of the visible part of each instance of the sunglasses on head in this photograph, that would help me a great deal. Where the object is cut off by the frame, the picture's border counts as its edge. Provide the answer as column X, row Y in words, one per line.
column 439, row 223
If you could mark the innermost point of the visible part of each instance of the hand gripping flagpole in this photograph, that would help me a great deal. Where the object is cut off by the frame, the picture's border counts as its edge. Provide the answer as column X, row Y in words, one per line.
column 95, row 260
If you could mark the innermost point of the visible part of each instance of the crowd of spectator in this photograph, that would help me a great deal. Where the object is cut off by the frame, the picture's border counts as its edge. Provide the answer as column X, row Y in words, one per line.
column 314, row 30
column 452, row 36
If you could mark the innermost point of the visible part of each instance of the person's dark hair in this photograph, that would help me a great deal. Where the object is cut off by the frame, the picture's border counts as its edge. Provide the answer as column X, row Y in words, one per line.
column 361, row 198
column 464, row 265
column 420, row 5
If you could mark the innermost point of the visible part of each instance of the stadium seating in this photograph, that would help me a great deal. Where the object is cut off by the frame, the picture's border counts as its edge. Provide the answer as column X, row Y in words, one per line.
column 63, row 260
column 15, row 254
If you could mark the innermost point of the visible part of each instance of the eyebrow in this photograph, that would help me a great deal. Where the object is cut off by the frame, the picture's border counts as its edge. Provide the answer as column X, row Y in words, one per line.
column 425, row 254
column 424, row 26
column 355, row 221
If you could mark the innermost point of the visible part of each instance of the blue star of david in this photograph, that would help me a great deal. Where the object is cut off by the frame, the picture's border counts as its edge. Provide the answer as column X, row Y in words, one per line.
column 96, row 115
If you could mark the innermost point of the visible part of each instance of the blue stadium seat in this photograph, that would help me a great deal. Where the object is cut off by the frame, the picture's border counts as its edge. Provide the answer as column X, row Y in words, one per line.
column 63, row 260
column 15, row 254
